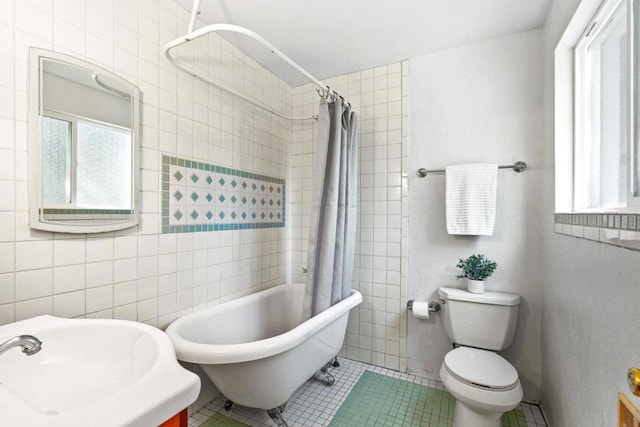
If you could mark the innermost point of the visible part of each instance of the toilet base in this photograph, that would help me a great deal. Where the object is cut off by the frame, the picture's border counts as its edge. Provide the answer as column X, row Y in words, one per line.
column 464, row 416
column 476, row 406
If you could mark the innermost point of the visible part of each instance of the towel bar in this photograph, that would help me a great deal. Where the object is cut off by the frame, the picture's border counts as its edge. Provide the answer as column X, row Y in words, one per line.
column 517, row 167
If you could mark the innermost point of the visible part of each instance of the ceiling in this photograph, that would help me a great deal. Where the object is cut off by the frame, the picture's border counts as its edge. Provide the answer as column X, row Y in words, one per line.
column 335, row 37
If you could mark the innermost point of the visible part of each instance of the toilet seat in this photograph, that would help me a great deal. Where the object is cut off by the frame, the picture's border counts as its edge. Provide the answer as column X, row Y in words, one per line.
column 481, row 368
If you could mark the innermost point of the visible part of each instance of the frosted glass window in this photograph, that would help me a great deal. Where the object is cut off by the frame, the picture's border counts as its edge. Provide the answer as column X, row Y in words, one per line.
column 56, row 148
column 103, row 167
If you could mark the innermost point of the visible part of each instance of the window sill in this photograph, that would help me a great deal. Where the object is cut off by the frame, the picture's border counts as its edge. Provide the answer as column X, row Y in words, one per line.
column 628, row 210
column 614, row 229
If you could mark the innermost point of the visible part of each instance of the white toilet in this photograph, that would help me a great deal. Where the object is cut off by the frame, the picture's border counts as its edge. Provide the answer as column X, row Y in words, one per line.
column 484, row 384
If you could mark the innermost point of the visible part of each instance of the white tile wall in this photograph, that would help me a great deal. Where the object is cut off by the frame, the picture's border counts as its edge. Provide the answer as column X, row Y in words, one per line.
column 141, row 274
column 377, row 329
column 138, row 274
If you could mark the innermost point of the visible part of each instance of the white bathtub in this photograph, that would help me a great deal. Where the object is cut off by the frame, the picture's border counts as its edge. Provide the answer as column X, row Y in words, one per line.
column 256, row 349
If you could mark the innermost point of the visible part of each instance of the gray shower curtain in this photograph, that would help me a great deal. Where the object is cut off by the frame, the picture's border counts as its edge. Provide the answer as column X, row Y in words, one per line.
column 332, row 226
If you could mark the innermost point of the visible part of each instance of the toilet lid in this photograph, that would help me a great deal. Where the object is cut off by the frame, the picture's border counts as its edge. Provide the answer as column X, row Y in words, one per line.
column 481, row 367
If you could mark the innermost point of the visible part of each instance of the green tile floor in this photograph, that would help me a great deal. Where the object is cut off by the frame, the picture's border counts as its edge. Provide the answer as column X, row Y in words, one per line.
column 379, row 400
column 363, row 395
column 219, row 420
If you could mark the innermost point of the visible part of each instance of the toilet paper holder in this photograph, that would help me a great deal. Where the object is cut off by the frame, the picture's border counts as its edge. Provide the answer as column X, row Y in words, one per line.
column 433, row 306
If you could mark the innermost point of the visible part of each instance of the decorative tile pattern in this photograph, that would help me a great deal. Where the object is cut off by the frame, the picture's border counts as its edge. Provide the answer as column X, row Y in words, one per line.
column 403, row 399
column 198, row 196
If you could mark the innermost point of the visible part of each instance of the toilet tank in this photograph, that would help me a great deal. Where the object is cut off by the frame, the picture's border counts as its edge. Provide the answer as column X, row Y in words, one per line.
column 485, row 320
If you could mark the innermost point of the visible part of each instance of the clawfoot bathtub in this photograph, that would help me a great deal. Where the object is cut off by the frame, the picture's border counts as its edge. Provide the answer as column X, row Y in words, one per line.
column 258, row 350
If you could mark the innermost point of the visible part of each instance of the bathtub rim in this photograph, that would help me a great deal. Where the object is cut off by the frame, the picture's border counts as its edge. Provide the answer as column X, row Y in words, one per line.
column 193, row 352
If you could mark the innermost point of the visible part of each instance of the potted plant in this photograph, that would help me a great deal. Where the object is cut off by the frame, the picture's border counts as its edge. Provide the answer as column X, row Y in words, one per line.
column 476, row 269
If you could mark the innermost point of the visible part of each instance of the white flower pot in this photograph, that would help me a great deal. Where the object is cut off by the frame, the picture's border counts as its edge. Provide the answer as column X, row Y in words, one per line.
column 475, row 286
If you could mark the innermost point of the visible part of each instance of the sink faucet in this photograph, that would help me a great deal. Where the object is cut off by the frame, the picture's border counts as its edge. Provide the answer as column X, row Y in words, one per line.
column 30, row 344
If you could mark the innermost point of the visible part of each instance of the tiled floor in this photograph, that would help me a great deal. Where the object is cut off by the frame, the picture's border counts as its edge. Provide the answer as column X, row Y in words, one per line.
column 315, row 404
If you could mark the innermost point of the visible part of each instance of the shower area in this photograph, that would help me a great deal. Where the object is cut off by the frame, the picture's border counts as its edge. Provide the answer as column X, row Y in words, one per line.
column 245, row 118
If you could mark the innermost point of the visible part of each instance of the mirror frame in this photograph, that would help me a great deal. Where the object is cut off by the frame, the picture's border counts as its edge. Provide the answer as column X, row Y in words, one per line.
column 70, row 225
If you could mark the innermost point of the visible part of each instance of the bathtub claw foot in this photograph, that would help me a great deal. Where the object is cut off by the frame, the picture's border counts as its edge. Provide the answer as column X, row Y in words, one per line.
column 335, row 363
column 324, row 376
column 228, row 405
column 276, row 415
column 328, row 378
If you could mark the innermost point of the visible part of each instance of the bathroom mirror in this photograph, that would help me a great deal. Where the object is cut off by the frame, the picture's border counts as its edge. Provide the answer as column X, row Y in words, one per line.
column 83, row 125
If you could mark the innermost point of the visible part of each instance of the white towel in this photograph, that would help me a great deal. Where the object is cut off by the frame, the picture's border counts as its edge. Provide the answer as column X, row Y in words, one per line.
column 471, row 198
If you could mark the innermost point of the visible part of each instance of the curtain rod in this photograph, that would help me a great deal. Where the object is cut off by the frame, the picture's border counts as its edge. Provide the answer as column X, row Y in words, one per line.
column 194, row 34
column 517, row 167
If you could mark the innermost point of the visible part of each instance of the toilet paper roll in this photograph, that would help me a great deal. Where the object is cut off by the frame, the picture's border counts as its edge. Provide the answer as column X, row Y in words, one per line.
column 420, row 310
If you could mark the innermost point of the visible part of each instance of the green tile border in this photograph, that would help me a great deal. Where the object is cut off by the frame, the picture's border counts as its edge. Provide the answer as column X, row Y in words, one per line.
column 194, row 228
column 168, row 161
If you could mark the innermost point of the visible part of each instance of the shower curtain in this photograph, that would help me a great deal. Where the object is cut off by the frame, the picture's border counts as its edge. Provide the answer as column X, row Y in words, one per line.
column 332, row 226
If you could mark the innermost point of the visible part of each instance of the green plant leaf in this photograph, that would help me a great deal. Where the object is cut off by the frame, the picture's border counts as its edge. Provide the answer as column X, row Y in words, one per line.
column 476, row 267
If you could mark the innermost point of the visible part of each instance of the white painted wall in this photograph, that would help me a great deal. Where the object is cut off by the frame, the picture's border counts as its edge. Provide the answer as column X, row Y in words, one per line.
column 590, row 293
column 478, row 103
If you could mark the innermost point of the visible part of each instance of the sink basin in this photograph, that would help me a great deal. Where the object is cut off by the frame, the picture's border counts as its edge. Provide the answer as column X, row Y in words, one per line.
column 92, row 372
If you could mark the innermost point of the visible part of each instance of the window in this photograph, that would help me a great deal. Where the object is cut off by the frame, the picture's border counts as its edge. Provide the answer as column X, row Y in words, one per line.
column 605, row 152
column 89, row 163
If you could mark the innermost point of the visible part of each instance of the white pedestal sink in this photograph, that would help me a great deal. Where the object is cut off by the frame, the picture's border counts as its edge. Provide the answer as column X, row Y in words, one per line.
column 92, row 373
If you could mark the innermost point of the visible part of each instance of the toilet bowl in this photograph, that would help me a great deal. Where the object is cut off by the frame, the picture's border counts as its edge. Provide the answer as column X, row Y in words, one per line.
column 484, row 385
